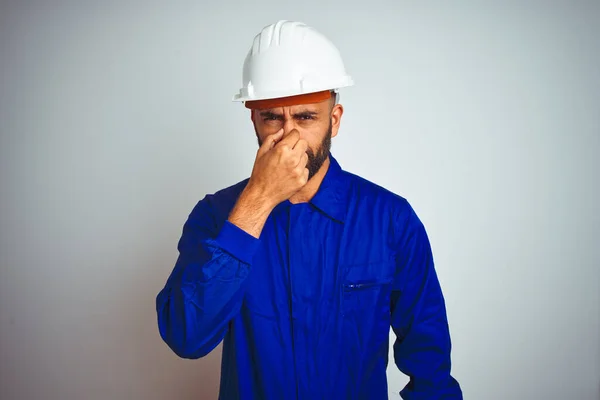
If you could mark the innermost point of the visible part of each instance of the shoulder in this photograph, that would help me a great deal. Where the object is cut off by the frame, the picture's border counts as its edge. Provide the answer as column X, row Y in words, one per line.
column 218, row 205
column 229, row 193
column 364, row 190
column 383, row 204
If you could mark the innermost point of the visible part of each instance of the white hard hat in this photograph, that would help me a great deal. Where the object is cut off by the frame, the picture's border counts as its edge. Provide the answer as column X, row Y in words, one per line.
column 288, row 59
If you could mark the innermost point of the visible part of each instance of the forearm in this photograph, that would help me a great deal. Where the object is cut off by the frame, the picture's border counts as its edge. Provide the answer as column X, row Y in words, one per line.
column 423, row 345
column 193, row 316
column 423, row 353
column 205, row 289
column 422, row 348
column 251, row 211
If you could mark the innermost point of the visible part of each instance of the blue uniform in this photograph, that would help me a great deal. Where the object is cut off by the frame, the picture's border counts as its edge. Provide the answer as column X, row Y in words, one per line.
column 305, row 311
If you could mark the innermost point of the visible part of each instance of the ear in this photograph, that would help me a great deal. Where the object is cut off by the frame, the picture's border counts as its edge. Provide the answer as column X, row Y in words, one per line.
column 336, row 119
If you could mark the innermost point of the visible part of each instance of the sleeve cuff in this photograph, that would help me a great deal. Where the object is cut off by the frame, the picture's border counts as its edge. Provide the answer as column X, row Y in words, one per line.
column 237, row 242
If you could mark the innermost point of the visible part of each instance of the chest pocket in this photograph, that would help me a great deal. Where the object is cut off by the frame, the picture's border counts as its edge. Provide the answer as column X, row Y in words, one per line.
column 366, row 288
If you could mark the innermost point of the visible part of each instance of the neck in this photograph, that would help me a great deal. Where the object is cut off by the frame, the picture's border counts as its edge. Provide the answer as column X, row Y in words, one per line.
column 312, row 186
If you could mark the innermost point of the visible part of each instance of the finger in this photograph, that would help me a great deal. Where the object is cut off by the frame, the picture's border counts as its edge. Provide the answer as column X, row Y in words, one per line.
column 290, row 139
column 300, row 144
column 303, row 160
column 306, row 173
column 300, row 150
column 270, row 142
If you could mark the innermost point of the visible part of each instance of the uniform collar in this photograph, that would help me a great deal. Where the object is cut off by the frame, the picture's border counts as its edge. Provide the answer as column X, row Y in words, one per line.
column 332, row 196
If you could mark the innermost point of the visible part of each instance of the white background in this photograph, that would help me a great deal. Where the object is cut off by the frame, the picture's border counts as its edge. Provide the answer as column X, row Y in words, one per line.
column 116, row 119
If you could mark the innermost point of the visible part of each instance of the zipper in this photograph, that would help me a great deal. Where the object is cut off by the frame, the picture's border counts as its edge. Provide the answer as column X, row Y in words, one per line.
column 365, row 285
column 291, row 307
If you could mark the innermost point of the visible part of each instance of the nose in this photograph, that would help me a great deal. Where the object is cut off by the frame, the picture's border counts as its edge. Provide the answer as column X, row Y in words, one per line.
column 288, row 126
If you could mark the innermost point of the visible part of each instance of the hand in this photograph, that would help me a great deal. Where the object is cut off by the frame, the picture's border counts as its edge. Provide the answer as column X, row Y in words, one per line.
column 280, row 167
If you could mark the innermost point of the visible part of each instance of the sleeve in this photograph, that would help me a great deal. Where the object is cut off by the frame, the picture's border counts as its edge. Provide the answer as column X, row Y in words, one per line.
column 204, row 291
column 418, row 312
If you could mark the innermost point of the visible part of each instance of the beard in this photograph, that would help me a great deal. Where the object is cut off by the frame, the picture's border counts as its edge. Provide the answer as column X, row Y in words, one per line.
column 317, row 157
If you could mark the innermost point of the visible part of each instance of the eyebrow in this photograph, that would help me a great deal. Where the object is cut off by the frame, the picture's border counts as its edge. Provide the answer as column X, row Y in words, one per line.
column 271, row 114
column 266, row 114
column 305, row 113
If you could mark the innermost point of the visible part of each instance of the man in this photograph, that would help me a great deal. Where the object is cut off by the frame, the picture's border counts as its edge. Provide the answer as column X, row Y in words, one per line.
column 303, row 268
